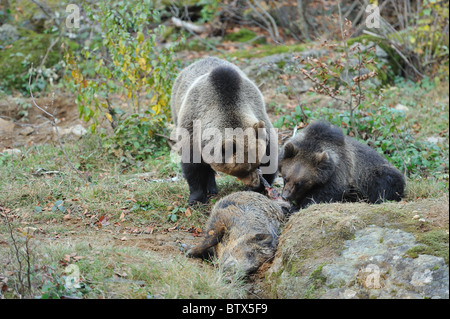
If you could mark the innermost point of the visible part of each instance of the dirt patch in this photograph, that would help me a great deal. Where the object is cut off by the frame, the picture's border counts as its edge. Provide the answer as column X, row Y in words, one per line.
column 27, row 125
column 169, row 243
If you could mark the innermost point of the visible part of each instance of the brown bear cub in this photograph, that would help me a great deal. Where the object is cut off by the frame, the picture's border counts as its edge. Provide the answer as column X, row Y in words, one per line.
column 320, row 164
column 242, row 231
column 215, row 95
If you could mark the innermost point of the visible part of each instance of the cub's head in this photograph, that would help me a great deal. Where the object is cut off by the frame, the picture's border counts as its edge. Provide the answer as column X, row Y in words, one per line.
column 241, row 155
column 303, row 170
column 246, row 253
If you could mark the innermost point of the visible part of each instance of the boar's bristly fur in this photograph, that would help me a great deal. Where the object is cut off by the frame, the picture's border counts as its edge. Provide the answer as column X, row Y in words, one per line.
column 242, row 231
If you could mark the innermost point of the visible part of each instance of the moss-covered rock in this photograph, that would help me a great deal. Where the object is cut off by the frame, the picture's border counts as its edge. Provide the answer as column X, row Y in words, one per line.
column 363, row 251
column 244, row 35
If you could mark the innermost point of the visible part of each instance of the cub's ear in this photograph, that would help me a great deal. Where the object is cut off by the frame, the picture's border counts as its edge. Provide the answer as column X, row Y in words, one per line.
column 321, row 157
column 288, row 150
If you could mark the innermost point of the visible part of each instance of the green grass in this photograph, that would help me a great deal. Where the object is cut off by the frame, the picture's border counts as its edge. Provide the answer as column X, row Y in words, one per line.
column 110, row 190
column 109, row 270
column 434, row 243
column 265, row 50
column 243, row 35
column 97, row 215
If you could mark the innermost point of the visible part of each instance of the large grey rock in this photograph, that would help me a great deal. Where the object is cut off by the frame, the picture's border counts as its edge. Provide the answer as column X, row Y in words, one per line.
column 266, row 70
column 354, row 251
column 8, row 33
column 374, row 265
column 71, row 133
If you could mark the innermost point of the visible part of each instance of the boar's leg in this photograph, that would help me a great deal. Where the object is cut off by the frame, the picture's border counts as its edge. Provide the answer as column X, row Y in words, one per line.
column 204, row 249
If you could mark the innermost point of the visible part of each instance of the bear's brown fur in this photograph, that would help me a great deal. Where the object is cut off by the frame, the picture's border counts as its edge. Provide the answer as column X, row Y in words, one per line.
column 218, row 95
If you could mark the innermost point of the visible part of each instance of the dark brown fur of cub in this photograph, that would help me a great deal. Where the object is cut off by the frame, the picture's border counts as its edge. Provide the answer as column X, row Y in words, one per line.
column 321, row 164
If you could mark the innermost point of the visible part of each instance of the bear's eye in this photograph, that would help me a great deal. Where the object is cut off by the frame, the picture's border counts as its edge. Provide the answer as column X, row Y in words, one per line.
column 300, row 184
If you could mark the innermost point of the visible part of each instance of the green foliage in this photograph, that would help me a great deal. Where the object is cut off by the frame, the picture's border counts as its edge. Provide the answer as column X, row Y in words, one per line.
column 55, row 287
column 134, row 67
column 142, row 206
column 4, row 159
column 136, row 138
column 429, row 40
column 209, row 10
column 172, row 216
column 243, row 35
column 58, row 205
column 17, row 59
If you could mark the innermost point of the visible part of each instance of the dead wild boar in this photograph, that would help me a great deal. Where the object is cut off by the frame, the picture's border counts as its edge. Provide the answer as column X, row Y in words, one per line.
column 242, row 232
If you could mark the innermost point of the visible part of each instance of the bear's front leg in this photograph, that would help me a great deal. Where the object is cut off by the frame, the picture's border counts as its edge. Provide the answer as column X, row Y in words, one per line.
column 200, row 178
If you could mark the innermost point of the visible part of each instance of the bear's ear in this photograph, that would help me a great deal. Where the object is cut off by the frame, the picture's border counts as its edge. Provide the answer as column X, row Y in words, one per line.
column 288, row 150
column 321, row 157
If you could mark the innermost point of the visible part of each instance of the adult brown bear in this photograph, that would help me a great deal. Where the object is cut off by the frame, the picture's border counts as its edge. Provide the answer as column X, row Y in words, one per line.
column 320, row 164
column 213, row 95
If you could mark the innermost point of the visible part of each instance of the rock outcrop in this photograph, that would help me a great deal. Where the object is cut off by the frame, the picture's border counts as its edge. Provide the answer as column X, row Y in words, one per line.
column 351, row 251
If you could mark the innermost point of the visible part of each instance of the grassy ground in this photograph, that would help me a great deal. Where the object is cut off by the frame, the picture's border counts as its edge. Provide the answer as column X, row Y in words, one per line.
column 123, row 230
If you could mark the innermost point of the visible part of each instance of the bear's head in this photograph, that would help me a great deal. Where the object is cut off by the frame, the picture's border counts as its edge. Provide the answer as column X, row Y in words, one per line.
column 303, row 170
column 241, row 155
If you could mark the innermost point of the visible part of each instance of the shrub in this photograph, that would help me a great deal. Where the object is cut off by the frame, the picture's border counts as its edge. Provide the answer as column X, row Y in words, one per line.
column 132, row 66
column 17, row 58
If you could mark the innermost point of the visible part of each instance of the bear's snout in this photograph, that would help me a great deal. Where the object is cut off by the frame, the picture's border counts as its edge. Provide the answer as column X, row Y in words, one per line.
column 251, row 180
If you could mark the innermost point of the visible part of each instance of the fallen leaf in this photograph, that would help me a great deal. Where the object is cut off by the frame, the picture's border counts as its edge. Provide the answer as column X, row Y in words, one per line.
column 188, row 212
column 121, row 275
column 103, row 220
column 148, row 230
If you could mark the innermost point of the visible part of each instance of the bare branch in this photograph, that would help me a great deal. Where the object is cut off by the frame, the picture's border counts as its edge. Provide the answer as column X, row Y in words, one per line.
column 347, row 69
column 53, row 122
column 188, row 25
